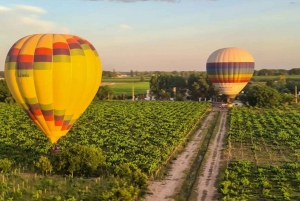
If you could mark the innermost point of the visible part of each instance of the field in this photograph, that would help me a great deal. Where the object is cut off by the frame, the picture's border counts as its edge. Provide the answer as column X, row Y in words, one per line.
column 125, row 79
column 139, row 88
column 264, row 152
column 136, row 138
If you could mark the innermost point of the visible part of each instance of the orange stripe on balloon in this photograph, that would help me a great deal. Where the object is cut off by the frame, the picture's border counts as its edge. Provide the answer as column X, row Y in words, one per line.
column 60, row 45
column 37, row 112
column 63, row 128
column 71, row 40
column 49, row 118
column 25, row 58
column 58, row 123
column 43, row 51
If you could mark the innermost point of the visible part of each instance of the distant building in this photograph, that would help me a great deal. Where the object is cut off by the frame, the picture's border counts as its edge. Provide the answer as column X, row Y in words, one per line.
column 120, row 76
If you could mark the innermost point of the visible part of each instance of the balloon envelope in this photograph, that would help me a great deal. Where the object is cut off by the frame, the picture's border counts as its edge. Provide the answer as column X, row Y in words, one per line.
column 53, row 77
column 230, row 69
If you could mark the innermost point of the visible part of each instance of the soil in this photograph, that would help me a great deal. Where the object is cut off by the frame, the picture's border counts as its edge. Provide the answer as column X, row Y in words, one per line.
column 166, row 188
column 206, row 182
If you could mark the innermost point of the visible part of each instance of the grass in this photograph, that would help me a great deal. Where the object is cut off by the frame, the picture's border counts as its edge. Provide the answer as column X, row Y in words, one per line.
column 139, row 88
column 23, row 186
column 125, row 79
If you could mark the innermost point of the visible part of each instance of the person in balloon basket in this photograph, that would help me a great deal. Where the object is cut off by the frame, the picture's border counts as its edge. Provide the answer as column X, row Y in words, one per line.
column 56, row 147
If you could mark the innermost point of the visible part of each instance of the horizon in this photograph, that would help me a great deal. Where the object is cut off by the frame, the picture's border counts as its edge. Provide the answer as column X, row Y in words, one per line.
column 167, row 34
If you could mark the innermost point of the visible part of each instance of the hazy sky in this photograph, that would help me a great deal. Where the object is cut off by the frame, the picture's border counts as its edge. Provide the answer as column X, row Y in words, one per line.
column 162, row 35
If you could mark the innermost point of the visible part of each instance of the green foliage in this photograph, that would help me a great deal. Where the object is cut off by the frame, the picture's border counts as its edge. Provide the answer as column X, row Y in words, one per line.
column 80, row 159
column 134, row 138
column 5, row 95
column 44, row 165
column 142, row 77
column 200, row 86
column 263, row 96
column 5, row 165
column 104, row 93
column 134, row 131
column 161, row 86
column 271, row 171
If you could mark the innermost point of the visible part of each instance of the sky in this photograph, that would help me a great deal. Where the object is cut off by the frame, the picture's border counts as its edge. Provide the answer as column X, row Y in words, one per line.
column 163, row 35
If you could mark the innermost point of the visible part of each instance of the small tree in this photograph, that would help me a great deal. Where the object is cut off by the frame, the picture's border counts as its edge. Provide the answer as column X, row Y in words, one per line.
column 263, row 96
column 5, row 165
column 44, row 165
column 142, row 77
column 80, row 159
column 104, row 93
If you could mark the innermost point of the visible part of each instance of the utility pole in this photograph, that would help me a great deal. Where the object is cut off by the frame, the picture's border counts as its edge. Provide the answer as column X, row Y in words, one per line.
column 296, row 94
column 132, row 93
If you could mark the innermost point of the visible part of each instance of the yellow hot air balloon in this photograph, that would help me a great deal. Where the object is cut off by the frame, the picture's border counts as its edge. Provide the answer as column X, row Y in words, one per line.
column 53, row 77
column 230, row 69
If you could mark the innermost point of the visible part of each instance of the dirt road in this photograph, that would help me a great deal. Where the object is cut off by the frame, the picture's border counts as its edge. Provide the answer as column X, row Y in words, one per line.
column 164, row 189
column 205, row 188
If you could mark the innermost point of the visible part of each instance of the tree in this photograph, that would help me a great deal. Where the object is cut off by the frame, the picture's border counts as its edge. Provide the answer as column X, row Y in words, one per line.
column 294, row 71
column 5, row 165
column 282, row 80
column 80, row 159
column 131, row 73
column 288, row 98
column 161, row 86
column 142, row 77
column 263, row 96
column 104, row 93
column 5, row 95
column 44, row 165
column 199, row 85
column 270, row 83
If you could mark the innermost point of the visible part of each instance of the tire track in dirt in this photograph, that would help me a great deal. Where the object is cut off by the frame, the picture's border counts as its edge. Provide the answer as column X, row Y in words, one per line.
column 206, row 182
column 164, row 189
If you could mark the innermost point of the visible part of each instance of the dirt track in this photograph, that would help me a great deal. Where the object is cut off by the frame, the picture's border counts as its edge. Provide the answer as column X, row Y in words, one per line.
column 164, row 189
column 206, row 183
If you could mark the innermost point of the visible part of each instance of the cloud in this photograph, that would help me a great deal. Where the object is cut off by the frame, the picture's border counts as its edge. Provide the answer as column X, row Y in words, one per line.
column 124, row 26
column 32, row 9
column 132, row 1
column 4, row 9
column 292, row 2
column 18, row 21
column 24, row 20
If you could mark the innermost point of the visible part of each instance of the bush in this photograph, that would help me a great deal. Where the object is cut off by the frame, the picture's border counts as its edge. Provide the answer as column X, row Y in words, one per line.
column 44, row 165
column 80, row 159
column 5, row 165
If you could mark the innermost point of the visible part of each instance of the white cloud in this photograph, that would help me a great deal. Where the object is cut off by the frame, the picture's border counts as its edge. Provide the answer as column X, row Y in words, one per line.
column 21, row 20
column 124, row 26
column 32, row 9
column 2, row 8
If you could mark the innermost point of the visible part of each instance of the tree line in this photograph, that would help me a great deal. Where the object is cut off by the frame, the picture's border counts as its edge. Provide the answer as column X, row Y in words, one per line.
column 186, row 74
column 197, row 85
column 276, row 72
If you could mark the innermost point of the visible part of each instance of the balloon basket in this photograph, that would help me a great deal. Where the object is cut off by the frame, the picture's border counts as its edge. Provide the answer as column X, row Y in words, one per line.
column 54, row 152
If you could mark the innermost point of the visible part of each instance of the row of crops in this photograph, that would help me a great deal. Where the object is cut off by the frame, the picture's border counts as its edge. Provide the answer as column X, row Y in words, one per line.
column 264, row 151
column 136, row 138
